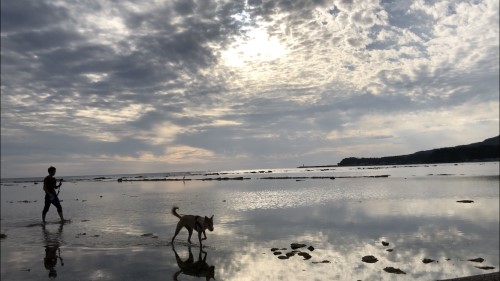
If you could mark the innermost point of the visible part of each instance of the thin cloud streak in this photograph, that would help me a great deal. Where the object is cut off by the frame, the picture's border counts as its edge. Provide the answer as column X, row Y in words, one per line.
column 121, row 87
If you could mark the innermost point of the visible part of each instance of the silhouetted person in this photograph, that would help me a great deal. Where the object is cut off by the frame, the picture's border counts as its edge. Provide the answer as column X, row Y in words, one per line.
column 52, row 250
column 50, row 186
column 199, row 268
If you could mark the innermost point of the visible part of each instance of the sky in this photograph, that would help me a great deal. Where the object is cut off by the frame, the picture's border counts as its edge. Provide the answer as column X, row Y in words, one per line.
column 113, row 87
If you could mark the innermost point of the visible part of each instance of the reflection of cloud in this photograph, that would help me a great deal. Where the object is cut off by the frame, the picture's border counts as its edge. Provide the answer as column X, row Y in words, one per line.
column 345, row 231
column 417, row 216
column 434, row 208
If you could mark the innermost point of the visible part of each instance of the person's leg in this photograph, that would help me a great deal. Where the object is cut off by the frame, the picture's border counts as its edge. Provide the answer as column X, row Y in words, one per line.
column 45, row 208
column 61, row 216
column 59, row 208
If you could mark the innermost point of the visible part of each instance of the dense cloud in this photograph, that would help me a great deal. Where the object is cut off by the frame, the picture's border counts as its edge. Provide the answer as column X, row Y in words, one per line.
column 110, row 86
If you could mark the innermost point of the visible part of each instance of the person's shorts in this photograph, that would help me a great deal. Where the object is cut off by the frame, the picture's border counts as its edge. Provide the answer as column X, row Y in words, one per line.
column 54, row 201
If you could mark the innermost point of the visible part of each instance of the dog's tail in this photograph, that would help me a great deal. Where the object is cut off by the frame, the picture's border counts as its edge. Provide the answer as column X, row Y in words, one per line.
column 174, row 211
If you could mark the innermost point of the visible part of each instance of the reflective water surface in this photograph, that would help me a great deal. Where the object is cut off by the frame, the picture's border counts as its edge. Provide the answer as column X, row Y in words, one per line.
column 122, row 230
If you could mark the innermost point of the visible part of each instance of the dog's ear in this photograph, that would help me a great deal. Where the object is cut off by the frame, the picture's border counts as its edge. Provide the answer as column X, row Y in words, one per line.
column 212, row 217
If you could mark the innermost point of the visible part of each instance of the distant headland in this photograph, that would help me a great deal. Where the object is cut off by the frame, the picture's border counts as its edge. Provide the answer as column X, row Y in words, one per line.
column 487, row 150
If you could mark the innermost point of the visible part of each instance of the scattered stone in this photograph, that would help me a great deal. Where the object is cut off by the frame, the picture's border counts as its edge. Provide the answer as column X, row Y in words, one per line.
column 480, row 260
column 295, row 246
column 485, row 267
column 390, row 250
column 96, row 235
column 369, row 259
column 147, row 234
column 325, row 261
column 3, row 235
column 426, row 260
column 283, row 257
column 385, row 243
column 465, row 201
column 84, row 220
column 305, row 255
column 394, row 270
column 279, row 252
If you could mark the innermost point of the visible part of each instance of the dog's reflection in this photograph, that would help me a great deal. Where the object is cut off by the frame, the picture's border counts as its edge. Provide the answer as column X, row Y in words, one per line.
column 52, row 250
column 199, row 268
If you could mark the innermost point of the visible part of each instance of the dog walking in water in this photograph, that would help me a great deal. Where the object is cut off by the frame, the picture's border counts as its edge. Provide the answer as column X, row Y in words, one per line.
column 198, row 223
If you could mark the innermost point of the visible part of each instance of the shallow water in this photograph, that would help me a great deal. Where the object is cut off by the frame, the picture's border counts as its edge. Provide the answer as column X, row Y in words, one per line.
column 122, row 230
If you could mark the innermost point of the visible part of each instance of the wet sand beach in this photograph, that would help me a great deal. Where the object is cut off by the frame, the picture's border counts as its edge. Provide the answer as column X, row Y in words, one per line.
column 419, row 223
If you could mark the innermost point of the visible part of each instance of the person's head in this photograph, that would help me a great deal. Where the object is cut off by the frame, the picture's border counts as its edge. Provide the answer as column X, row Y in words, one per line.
column 52, row 170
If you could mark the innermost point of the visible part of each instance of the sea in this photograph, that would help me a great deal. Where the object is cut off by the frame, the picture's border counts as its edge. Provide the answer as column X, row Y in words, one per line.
column 411, row 222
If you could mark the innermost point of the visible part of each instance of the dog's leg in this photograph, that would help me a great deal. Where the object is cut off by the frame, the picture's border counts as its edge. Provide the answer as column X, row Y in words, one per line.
column 190, row 260
column 190, row 230
column 199, row 238
column 176, row 275
column 177, row 258
column 204, row 255
column 204, row 235
column 179, row 227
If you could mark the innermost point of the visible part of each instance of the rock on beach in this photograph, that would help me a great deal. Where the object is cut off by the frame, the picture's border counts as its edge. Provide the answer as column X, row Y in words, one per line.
column 369, row 259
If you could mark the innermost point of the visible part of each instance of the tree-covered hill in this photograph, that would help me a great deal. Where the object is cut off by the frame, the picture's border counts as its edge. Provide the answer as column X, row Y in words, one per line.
column 487, row 150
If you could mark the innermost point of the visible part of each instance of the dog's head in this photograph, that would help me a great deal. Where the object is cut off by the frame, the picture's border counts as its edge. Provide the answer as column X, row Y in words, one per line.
column 209, row 222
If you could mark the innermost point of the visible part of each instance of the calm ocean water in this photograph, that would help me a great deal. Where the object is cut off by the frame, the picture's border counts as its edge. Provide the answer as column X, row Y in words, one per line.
column 121, row 230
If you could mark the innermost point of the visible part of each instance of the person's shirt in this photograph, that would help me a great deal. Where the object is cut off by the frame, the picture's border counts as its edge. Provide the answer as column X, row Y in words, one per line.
column 50, row 184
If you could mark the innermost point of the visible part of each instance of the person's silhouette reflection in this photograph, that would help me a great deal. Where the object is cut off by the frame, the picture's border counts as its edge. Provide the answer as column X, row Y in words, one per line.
column 52, row 250
column 199, row 268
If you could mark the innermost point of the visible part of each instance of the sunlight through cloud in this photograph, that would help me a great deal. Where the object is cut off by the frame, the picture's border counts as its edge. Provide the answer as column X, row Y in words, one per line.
column 256, row 46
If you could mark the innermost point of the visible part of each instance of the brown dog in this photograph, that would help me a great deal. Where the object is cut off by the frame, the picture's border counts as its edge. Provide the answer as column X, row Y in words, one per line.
column 190, row 222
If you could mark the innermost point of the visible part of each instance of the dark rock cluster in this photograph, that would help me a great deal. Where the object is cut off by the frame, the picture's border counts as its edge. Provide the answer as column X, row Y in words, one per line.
column 295, row 251
column 373, row 259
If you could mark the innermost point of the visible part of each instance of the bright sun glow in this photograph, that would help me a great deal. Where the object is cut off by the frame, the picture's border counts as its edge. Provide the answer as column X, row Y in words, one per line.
column 257, row 46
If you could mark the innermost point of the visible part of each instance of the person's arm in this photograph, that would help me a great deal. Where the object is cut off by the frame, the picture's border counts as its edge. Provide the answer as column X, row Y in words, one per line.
column 60, row 183
column 45, row 188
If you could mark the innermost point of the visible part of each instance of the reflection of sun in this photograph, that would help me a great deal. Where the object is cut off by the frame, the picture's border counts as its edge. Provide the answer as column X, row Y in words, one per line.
column 256, row 46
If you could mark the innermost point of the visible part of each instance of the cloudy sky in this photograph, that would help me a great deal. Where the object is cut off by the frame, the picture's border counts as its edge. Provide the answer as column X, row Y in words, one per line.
column 103, row 87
